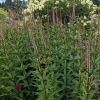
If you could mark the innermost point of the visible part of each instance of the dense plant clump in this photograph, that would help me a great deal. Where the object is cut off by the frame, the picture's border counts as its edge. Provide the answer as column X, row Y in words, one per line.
column 3, row 14
column 51, row 59
column 49, row 62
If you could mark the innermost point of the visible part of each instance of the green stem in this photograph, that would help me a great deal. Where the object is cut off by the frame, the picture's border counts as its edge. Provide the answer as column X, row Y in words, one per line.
column 41, row 73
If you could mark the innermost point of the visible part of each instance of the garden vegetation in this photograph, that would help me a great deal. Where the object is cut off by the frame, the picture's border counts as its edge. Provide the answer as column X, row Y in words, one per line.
column 52, row 52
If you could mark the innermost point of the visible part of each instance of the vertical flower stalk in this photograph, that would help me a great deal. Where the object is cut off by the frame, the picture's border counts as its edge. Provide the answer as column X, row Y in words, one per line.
column 33, row 41
column 47, row 14
column 53, row 15
column 43, row 41
column 1, row 35
column 24, row 22
column 40, row 69
column 60, row 19
column 11, row 17
column 56, row 16
column 73, row 13
column 79, row 34
column 38, row 60
column 88, row 70
column 62, row 30
column 3, row 44
column 88, row 56
column 99, row 20
column 41, row 34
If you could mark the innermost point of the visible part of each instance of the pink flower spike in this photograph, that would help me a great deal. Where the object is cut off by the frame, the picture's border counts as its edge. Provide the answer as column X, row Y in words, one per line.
column 17, row 87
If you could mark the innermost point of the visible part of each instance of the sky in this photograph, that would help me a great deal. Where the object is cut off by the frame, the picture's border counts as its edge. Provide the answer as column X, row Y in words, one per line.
column 2, row 1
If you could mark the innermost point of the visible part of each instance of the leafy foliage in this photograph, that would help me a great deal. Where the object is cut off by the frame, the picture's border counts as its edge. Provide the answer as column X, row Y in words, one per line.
column 50, row 61
column 3, row 14
column 56, row 72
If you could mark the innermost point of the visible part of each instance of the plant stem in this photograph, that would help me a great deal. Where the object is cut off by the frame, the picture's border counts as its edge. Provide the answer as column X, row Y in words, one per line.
column 41, row 73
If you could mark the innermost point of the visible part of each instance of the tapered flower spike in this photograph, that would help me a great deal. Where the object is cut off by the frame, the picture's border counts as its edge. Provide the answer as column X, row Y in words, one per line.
column 88, row 56
column 33, row 41
column 99, row 20
column 53, row 15
column 41, row 34
column 79, row 34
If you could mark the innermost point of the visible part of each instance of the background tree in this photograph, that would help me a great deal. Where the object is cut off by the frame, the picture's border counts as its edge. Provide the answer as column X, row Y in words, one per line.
column 17, row 4
column 97, row 2
column 3, row 5
column 0, row 5
column 8, row 4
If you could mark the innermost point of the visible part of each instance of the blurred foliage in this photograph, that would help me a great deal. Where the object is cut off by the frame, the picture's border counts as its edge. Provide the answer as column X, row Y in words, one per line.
column 3, row 14
column 57, row 72
column 97, row 2
column 49, row 60
column 63, row 9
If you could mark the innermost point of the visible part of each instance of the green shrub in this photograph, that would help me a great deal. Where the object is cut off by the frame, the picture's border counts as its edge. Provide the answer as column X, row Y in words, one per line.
column 3, row 14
